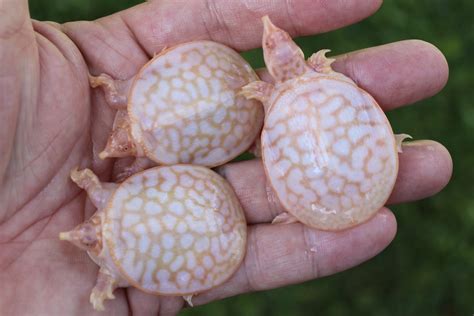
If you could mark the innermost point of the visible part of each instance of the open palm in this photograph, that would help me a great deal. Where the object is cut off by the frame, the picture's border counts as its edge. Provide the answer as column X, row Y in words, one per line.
column 51, row 121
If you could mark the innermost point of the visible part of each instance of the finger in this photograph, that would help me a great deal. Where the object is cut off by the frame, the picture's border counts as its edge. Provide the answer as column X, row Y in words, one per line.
column 279, row 255
column 425, row 168
column 128, row 36
column 141, row 303
column 395, row 74
column 237, row 23
column 15, row 16
column 16, row 45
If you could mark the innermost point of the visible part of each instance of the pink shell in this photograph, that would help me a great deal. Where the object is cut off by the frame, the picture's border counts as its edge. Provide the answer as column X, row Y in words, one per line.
column 184, row 106
column 328, row 151
column 175, row 230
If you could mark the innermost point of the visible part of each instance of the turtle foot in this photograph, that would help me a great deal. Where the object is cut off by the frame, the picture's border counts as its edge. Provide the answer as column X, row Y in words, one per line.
column 115, row 90
column 84, row 178
column 103, row 290
column 98, row 192
column 259, row 90
column 320, row 63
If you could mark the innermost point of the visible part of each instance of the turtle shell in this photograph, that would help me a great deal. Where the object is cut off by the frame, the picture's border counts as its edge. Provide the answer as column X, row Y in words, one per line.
column 175, row 230
column 328, row 151
column 183, row 105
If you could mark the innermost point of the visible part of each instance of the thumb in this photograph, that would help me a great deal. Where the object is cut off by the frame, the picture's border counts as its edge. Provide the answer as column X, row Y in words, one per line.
column 17, row 67
column 14, row 18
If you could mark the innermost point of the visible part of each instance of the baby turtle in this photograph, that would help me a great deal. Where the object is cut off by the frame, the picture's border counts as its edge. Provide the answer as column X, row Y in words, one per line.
column 183, row 107
column 328, row 149
column 176, row 230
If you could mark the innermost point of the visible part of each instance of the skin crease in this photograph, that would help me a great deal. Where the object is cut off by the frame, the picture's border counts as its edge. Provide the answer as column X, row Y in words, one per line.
column 51, row 121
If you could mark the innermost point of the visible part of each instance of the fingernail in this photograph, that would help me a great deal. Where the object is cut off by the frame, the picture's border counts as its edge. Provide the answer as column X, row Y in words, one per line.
column 427, row 143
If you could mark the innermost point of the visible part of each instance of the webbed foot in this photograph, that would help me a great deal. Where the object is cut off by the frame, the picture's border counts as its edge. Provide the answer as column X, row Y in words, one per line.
column 320, row 63
column 115, row 91
column 259, row 90
column 84, row 178
column 103, row 289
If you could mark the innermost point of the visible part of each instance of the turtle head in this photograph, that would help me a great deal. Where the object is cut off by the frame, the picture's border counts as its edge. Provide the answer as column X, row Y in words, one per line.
column 120, row 143
column 85, row 236
column 283, row 58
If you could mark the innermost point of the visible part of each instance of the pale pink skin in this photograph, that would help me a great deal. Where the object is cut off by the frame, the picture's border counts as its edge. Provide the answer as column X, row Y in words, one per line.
column 328, row 149
column 183, row 106
column 175, row 231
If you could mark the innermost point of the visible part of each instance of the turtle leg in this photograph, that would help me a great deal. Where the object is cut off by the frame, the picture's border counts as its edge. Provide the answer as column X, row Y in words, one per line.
column 320, row 63
column 259, row 90
column 284, row 218
column 399, row 138
column 103, row 289
column 120, row 142
column 139, row 164
column 115, row 91
column 98, row 192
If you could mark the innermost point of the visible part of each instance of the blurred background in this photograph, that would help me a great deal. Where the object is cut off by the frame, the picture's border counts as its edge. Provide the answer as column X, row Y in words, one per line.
column 429, row 267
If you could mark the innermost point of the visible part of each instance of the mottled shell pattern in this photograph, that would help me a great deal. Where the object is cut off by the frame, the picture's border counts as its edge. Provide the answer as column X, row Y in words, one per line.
column 170, row 230
column 328, row 149
column 176, row 230
column 183, row 107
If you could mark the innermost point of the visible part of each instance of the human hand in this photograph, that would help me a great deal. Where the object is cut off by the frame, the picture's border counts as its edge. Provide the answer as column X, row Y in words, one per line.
column 51, row 121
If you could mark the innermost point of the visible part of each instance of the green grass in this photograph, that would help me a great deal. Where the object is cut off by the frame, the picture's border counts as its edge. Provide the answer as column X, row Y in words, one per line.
column 429, row 268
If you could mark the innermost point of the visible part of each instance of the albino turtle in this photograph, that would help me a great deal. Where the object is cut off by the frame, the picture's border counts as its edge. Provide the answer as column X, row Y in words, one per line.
column 176, row 230
column 183, row 107
column 328, row 150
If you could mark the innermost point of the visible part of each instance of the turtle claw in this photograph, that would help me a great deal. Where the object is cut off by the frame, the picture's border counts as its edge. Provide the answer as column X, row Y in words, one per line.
column 189, row 299
column 97, row 301
column 285, row 218
column 399, row 138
